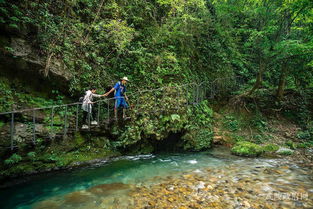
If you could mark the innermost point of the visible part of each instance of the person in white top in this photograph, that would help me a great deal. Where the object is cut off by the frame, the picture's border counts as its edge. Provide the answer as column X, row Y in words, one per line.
column 87, row 107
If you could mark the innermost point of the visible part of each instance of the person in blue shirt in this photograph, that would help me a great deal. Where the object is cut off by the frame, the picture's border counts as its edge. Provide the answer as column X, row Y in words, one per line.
column 120, row 96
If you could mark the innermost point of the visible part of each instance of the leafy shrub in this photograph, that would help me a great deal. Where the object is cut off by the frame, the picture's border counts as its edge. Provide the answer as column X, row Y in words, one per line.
column 259, row 122
column 237, row 138
column 49, row 158
column 199, row 129
column 14, row 159
column 31, row 156
column 305, row 144
column 305, row 135
column 259, row 139
column 291, row 144
column 231, row 123
column 1, row 124
column 198, row 140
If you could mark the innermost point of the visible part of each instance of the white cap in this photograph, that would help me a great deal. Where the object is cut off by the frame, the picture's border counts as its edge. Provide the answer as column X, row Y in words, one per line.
column 125, row 78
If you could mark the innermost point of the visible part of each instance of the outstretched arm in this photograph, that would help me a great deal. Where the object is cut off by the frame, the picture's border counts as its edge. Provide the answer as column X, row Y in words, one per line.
column 97, row 95
column 109, row 92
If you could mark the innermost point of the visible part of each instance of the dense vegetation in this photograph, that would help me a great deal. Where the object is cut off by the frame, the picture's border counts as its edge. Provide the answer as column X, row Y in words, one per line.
column 267, row 45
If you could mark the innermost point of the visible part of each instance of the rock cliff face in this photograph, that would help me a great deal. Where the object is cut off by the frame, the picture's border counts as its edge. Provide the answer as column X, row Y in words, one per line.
column 21, row 61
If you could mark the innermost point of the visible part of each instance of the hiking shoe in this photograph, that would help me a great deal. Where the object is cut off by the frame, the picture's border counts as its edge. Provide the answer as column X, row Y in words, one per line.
column 85, row 127
column 94, row 123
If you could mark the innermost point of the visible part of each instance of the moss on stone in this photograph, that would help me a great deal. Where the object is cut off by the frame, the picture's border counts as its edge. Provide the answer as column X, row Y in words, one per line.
column 247, row 149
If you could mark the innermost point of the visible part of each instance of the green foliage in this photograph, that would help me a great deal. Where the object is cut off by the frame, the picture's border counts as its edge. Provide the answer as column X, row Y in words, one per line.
column 247, row 149
column 305, row 144
column 306, row 136
column 291, row 144
column 164, row 43
column 79, row 140
column 197, row 140
column 259, row 139
column 32, row 156
column 236, row 138
column 199, row 129
column 155, row 42
column 260, row 123
column 155, row 118
column 6, row 96
column 231, row 123
column 14, row 159
column 1, row 124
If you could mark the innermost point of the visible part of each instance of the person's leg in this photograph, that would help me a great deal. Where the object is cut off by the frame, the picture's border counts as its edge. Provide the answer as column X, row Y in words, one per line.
column 93, row 116
column 117, row 104
column 125, row 106
column 93, row 113
column 89, row 115
column 124, row 113
column 115, row 113
column 85, row 117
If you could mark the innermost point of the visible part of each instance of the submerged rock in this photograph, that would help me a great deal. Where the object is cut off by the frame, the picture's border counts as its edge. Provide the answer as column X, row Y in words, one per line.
column 47, row 204
column 76, row 198
column 105, row 189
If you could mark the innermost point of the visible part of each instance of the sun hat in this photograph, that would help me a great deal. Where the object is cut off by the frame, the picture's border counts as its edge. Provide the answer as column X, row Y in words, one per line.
column 125, row 78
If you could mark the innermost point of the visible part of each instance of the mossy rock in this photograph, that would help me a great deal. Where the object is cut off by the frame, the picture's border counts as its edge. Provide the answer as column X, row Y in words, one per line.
column 284, row 151
column 270, row 148
column 247, row 149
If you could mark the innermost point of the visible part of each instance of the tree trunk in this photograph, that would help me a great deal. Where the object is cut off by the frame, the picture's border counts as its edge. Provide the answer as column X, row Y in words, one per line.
column 259, row 75
column 282, row 81
column 287, row 21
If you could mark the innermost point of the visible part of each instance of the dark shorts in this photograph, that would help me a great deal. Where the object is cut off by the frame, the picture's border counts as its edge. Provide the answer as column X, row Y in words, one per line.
column 120, row 102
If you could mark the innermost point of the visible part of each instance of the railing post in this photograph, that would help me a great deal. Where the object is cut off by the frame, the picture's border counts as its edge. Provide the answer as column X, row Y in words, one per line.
column 98, row 115
column 203, row 91
column 212, row 90
column 155, row 101
column 34, row 127
column 52, row 116
column 187, row 95
column 197, row 98
column 12, row 131
column 89, row 108
column 108, row 102
column 76, row 121
column 65, row 122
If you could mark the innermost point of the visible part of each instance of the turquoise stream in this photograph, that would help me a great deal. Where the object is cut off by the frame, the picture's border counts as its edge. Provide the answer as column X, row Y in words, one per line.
column 135, row 170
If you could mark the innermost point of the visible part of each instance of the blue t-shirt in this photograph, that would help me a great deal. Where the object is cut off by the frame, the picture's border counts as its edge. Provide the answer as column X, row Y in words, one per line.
column 120, row 89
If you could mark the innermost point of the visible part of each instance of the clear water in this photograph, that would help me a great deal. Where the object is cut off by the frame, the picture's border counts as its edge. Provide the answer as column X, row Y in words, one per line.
column 134, row 170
